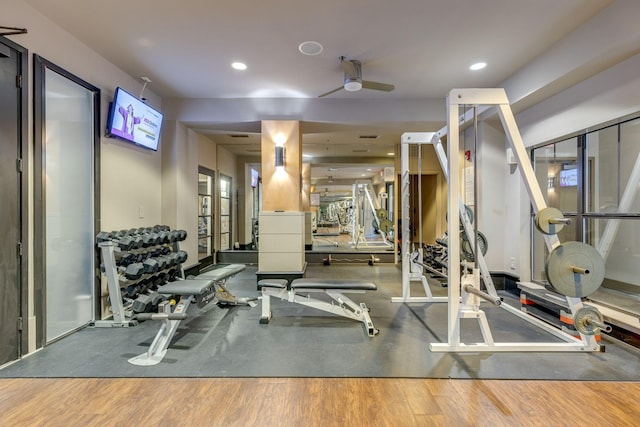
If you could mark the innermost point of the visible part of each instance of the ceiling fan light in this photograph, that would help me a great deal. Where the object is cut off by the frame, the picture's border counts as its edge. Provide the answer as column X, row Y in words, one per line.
column 352, row 85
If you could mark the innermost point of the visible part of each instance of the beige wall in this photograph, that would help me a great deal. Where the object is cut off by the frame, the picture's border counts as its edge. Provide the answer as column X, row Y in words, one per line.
column 281, row 189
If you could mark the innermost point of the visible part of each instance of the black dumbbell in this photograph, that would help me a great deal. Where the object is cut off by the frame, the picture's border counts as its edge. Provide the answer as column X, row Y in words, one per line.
column 165, row 250
column 142, row 304
column 162, row 261
column 125, row 258
column 104, row 236
column 182, row 235
column 182, row 256
column 134, row 271
column 151, row 265
column 172, row 259
column 125, row 243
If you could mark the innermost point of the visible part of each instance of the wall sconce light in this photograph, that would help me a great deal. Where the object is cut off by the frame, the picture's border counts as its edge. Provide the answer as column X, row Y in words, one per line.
column 551, row 182
column 279, row 157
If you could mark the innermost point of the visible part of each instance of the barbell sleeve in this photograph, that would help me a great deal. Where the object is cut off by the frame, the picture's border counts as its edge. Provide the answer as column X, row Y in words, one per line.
column 567, row 221
column 580, row 270
column 470, row 289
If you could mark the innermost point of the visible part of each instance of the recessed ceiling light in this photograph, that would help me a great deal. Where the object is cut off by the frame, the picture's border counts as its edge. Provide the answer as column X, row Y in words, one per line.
column 307, row 155
column 239, row 65
column 390, row 154
column 310, row 48
column 478, row 66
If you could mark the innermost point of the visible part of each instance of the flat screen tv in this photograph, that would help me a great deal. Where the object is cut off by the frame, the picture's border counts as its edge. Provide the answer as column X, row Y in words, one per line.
column 568, row 177
column 255, row 177
column 132, row 120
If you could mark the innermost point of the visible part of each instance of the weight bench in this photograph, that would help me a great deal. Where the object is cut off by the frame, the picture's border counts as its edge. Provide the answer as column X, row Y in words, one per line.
column 300, row 291
column 202, row 290
column 220, row 276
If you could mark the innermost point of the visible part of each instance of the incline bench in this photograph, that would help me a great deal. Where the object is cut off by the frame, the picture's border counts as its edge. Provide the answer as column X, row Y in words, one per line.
column 300, row 290
column 202, row 289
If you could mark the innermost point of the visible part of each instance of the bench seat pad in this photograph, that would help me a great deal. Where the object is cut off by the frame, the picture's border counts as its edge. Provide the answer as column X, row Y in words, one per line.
column 354, row 284
column 273, row 283
column 187, row 287
column 222, row 272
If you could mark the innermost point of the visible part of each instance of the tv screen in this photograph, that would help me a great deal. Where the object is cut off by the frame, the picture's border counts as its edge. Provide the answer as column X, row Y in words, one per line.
column 255, row 176
column 568, row 177
column 133, row 120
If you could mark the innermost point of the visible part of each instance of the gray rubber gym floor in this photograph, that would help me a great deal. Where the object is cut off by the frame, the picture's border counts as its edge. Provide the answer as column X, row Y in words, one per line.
column 303, row 342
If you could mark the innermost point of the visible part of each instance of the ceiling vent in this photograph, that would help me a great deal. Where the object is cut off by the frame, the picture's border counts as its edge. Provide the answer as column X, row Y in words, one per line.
column 368, row 136
column 239, row 135
column 360, row 150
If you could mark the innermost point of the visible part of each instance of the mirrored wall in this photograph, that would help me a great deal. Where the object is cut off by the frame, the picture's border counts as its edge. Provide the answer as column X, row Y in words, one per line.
column 594, row 178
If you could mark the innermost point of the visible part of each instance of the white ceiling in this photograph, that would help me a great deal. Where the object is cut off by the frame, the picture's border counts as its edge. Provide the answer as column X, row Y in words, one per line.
column 423, row 47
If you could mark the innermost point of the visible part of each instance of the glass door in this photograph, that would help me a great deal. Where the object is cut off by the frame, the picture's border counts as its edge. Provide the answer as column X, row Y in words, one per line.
column 67, row 145
column 205, row 215
column 225, row 212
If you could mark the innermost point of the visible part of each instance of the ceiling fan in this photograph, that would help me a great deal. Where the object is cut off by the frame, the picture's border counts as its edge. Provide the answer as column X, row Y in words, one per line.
column 353, row 79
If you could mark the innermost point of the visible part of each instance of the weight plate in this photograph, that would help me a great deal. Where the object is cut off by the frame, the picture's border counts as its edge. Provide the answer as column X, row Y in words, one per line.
column 583, row 320
column 382, row 214
column 564, row 280
column 466, row 248
column 385, row 225
column 542, row 221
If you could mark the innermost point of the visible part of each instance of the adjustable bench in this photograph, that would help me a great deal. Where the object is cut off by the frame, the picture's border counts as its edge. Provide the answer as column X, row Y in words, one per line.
column 220, row 276
column 300, row 290
column 202, row 290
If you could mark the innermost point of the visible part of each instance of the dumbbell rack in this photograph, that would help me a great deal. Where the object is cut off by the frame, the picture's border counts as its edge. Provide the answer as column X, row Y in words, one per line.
column 122, row 315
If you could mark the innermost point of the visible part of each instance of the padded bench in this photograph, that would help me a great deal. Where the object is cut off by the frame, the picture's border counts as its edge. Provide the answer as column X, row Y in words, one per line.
column 201, row 289
column 220, row 277
column 300, row 290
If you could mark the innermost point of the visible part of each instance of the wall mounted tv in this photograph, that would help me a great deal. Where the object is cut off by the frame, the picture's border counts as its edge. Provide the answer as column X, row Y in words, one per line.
column 569, row 177
column 132, row 120
column 255, row 177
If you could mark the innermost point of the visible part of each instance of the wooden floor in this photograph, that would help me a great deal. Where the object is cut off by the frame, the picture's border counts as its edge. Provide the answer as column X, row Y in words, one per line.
column 316, row 402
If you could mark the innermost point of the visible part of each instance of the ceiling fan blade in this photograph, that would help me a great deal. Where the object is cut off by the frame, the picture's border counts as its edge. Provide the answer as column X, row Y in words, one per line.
column 377, row 86
column 331, row 91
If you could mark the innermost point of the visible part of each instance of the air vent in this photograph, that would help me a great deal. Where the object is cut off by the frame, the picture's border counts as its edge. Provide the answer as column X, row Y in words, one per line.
column 240, row 135
column 368, row 136
column 360, row 151
column 254, row 150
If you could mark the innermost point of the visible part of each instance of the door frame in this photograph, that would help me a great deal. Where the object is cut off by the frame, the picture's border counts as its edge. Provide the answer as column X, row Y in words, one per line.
column 40, row 65
column 23, row 167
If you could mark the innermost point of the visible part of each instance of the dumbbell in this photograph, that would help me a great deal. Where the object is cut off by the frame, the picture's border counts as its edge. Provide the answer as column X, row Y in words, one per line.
column 182, row 235
column 163, row 237
column 162, row 261
column 134, row 271
column 150, row 239
column 182, row 256
column 165, row 250
column 142, row 304
column 173, row 259
column 125, row 258
column 151, row 265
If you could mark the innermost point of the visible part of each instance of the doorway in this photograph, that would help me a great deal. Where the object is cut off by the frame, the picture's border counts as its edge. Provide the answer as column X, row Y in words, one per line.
column 13, row 121
column 67, row 144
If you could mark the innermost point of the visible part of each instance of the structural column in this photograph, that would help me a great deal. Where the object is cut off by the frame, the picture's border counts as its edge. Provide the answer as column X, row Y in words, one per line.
column 281, row 186
column 282, row 220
